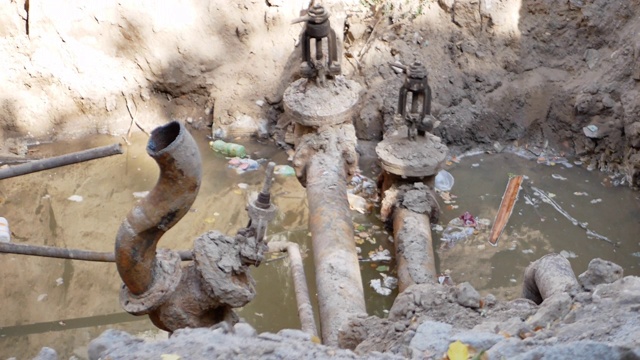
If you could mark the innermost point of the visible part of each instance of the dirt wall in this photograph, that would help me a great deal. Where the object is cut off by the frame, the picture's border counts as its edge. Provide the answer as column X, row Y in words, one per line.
column 531, row 71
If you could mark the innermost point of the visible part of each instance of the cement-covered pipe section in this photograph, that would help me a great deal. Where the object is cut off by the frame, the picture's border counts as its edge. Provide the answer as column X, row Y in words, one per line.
column 414, row 248
column 338, row 279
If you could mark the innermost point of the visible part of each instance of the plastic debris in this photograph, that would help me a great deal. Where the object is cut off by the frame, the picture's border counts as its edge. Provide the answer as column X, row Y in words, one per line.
column 580, row 193
column 547, row 198
column 636, row 254
column 444, row 181
column 380, row 255
column 568, row 254
column 284, row 170
column 5, row 233
column 228, row 149
column 358, row 203
column 243, row 165
column 456, row 231
column 42, row 297
column 595, row 201
column 385, row 285
column 558, row 177
column 243, row 186
column 75, row 198
column 140, row 194
column 445, row 279
column 468, row 219
column 59, row 281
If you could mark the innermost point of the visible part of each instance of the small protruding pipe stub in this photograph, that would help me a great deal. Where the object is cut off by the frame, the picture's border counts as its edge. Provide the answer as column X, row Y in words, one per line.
column 167, row 276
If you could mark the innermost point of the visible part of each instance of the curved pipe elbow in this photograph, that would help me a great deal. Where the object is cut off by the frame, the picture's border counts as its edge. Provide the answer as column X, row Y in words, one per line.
column 178, row 157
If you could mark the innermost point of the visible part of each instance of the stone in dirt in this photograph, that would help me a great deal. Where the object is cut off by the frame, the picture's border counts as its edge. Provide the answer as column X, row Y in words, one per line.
column 600, row 272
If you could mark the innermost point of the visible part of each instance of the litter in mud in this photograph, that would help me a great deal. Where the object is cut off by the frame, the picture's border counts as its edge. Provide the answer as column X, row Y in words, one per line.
column 75, row 198
column 228, row 149
column 140, row 194
column 243, row 165
column 380, row 255
column 568, row 254
column 444, row 181
column 385, row 285
column 506, row 208
column 558, row 177
column 358, row 203
column 545, row 197
column 284, row 170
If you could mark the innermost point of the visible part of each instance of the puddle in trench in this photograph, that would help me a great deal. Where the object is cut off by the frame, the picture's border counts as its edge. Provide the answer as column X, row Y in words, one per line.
column 480, row 181
column 64, row 304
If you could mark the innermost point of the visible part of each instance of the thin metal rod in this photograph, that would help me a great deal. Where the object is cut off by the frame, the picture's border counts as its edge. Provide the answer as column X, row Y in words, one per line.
column 73, row 254
column 305, row 310
column 57, row 161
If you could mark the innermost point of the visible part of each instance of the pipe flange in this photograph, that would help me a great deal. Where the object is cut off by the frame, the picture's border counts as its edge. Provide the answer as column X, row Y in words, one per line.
column 224, row 277
column 167, row 275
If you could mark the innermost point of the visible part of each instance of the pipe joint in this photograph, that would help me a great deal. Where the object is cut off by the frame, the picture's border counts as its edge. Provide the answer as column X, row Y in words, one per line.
column 167, row 275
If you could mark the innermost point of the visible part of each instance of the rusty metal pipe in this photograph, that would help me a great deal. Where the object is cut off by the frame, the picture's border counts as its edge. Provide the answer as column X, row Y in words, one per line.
column 305, row 310
column 62, row 160
column 338, row 279
column 178, row 157
column 414, row 248
column 71, row 254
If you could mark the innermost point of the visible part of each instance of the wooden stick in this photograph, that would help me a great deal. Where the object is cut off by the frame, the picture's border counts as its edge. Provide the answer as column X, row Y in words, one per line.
column 506, row 208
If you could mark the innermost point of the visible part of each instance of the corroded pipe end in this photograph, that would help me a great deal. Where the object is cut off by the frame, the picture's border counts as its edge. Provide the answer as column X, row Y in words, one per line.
column 178, row 157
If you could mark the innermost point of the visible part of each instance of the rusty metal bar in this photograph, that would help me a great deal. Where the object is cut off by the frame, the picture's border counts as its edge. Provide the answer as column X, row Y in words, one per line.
column 305, row 310
column 338, row 279
column 72, row 254
column 57, row 161
column 414, row 248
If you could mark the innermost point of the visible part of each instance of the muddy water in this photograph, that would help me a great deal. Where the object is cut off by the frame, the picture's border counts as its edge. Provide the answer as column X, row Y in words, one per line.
column 535, row 227
column 64, row 304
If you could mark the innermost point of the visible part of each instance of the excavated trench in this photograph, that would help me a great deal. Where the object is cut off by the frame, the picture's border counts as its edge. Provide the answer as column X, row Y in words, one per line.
column 534, row 75
column 61, row 301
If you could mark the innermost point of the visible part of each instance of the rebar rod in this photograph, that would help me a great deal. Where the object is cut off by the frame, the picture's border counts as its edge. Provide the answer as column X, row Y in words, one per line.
column 62, row 160
column 73, row 254
column 305, row 310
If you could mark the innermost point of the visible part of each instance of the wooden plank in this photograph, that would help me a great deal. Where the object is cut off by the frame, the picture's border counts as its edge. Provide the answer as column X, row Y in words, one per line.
column 506, row 208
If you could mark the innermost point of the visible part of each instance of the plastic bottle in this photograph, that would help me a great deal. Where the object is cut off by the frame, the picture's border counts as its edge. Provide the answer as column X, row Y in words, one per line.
column 228, row 149
column 5, row 234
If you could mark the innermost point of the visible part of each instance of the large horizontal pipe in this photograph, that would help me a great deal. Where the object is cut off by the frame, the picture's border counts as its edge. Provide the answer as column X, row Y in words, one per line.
column 414, row 248
column 305, row 310
column 338, row 279
column 72, row 254
column 57, row 161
